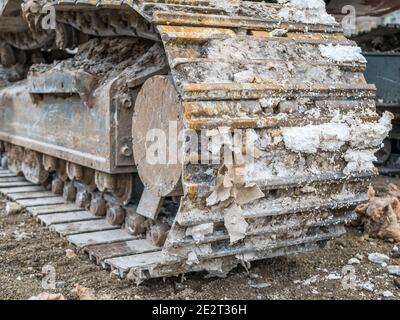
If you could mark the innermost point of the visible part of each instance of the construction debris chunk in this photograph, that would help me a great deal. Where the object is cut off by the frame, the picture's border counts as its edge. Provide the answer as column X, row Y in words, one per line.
column 48, row 296
column 84, row 293
column 380, row 217
column 70, row 254
column 13, row 208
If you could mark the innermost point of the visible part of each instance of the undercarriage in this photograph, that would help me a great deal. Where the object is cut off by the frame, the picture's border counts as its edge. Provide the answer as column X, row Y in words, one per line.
column 282, row 75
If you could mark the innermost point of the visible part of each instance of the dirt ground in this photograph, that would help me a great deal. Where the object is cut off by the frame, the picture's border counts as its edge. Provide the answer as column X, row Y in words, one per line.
column 26, row 247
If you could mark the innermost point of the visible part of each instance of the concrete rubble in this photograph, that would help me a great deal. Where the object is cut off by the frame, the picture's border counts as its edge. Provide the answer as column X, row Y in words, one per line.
column 13, row 208
column 84, row 293
column 48, row 296
column 380, row 217
column 378, row 258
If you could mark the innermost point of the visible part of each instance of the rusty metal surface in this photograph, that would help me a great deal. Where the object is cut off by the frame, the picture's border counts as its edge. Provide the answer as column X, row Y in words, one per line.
column 63, row 128
column 76, row 116
column 300, row 91
column 205, row 66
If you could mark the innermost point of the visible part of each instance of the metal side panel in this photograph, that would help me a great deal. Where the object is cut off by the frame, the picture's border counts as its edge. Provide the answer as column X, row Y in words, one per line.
column 61, row 125
column 8, row 6
column 383, row 69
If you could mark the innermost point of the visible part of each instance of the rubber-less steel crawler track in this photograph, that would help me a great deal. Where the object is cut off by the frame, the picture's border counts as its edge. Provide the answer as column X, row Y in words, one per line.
column 282, row 72
column 109, row 246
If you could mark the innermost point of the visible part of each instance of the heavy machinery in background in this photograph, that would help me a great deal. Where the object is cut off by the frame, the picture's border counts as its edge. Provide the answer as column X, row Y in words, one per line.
column 377, row 32
column 281, row 71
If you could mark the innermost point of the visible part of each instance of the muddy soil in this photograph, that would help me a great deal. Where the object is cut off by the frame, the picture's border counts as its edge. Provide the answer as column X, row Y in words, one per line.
column 26, row 247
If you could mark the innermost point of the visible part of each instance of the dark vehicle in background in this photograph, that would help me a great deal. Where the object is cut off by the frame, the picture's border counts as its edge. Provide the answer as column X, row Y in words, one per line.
column 377, row 32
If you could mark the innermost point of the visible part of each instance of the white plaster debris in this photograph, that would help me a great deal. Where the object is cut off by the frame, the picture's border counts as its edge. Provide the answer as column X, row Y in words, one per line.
column 278, row 32
column 333, row 276
column 378, row 258
column 13, row 208
column 244, row 77
column 395, row 248
column 235, row 223
column 48, row 296
column 387, row 294
column 267, row 103
column 200, row 231
column 310, row 280
column 70, row 254
column 359, row 161
column 368, row 286
column 192, row 258
column 353, row 261
column 332, row 136
column 364, row 141
column 21, row 235
column 308, row 139
column 258, row 285
column 394, row 270
column 371, row 135
column 310, row 11
column 340, row 53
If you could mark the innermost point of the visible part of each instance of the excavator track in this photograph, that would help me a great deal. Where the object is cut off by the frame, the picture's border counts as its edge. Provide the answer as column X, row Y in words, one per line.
column 282, row 75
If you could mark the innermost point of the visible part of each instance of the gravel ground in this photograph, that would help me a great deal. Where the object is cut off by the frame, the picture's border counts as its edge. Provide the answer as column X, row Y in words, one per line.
column 26, row 247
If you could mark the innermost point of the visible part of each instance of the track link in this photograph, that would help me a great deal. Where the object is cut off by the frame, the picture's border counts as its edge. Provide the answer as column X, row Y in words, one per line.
column 101, row 241
column 295, row 84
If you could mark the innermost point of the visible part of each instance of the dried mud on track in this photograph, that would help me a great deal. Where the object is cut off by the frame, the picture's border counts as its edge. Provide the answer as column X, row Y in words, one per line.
column 26, row 247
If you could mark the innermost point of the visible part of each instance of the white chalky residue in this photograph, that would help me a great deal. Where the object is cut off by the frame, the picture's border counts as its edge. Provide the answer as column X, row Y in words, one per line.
column 244, row 77
column 308, row 139
column 345, row 193
column 302, row 139
column 359, row 161
column 334, row 136
column 341, row 53
column 310, row 11
column 266, row 169
column 371, row 135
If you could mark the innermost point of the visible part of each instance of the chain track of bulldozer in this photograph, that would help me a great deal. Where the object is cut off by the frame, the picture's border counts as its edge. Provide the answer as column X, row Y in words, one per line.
column 299, row 89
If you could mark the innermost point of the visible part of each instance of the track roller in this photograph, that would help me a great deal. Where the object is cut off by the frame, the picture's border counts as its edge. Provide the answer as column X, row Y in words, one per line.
column 98, row 206
column 82, row 198
column 134, row 223
column 32, row 167
column 69, row 192
column 57, row 186
column 115, row 215
column 157, row 233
